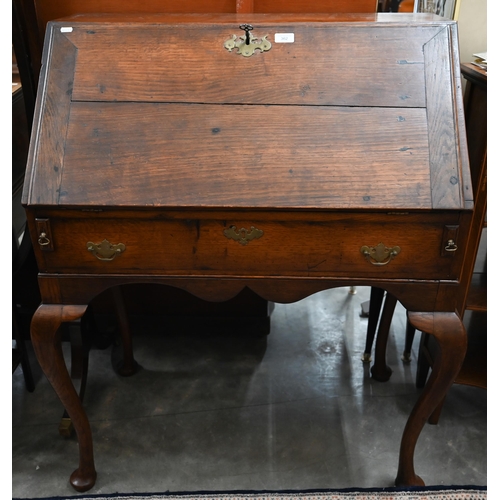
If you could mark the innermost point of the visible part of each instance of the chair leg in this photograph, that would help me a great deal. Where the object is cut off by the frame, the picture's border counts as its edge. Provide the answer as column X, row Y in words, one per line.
column 80, row 347
column 23, row 354
column 409, row 336
column 380, row 371
column 376, row 299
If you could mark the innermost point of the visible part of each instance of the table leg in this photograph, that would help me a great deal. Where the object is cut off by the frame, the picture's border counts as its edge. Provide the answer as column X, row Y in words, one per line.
column 46, row 339
column 451, row 337
column 128, row 365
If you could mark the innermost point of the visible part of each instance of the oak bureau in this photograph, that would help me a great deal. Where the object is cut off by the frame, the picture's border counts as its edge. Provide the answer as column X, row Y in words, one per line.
column 288, row 154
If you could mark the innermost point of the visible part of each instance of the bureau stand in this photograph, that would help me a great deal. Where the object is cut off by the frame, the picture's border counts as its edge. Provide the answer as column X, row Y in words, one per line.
column 288, row 154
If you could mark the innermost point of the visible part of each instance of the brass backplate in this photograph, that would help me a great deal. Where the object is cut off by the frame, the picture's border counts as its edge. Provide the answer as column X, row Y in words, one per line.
column 105, row 250
column 248, row 44
column 243, row 236
column 379, row 255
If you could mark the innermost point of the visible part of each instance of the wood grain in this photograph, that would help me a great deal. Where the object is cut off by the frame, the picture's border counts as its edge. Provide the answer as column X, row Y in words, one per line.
column 245, row 156
column 49, row 126
column 286, row 248
column 445, row 173
column 420, row 296
column 149, row 70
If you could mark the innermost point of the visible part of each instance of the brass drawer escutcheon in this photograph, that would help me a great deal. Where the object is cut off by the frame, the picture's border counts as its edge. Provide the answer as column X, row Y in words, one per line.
column 379, row 255
column 105, row 250
column 247, row 44
column 243, row 236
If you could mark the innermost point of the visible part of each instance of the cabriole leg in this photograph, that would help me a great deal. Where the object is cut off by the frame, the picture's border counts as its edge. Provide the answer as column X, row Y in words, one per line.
column 46, row 339
column 451, row 337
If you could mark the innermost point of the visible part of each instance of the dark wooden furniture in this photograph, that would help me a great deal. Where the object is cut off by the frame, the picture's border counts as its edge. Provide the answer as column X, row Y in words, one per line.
column 25, row 295
column 167, row 153
column 25, row 299
column 473, row 293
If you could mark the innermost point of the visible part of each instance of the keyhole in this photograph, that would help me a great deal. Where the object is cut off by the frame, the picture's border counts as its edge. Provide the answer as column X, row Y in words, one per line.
column 247, row 28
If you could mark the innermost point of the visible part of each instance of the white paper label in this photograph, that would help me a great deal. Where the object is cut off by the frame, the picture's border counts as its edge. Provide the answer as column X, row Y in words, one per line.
column 66, row 30
column 284, row 37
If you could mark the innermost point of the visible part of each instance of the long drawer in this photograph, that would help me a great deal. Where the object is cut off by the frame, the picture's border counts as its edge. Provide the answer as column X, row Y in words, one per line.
column 398, row 248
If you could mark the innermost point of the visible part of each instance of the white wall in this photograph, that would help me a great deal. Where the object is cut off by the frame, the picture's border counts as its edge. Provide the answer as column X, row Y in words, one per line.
column 472, row 28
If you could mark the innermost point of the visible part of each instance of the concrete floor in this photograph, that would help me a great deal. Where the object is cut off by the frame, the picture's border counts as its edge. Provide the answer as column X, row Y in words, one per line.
column 295, row 410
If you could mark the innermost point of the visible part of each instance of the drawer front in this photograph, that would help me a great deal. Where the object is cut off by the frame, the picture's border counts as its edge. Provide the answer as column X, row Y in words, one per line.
column 356, row 249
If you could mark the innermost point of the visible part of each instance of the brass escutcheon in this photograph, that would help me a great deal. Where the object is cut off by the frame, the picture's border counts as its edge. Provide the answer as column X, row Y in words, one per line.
column 105, row 250
column 247, row 44
column 243, row 236
column 379, row 255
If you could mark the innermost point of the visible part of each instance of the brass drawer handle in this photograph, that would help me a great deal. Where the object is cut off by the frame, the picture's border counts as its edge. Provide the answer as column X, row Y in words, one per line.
column 379, row 255
column 105, row 250
column 43, row 241
column 451, row 246
column 243, row 236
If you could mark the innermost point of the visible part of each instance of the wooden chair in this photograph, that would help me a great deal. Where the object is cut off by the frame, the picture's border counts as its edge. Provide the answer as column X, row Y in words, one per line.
column 380, row 370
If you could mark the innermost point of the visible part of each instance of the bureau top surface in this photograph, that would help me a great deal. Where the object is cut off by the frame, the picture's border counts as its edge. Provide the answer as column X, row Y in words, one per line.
column 357, row 112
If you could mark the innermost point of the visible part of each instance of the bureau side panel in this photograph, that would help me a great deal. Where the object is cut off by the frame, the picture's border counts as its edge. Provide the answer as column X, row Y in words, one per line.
column 445, row 120
column 46, row 155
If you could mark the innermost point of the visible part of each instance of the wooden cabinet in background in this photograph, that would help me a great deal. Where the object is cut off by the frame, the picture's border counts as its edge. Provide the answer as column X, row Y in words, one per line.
column 474, row 369
column 475, row 100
